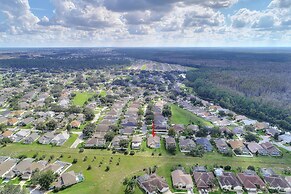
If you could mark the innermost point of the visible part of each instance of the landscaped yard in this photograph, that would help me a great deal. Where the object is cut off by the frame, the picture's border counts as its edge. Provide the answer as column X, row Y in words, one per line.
column 99, row 181
column 182, row 116
column 71, row 140
column 81, row 98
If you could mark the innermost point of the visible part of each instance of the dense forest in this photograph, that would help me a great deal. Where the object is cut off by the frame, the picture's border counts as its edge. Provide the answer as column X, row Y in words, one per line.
column 43, row 63
column 257, row 108
column 251, row 81
column 60, row 58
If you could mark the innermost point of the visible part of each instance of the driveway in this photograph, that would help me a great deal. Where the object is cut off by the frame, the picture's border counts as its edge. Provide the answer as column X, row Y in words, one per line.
column 78, row 140
column 98, row 115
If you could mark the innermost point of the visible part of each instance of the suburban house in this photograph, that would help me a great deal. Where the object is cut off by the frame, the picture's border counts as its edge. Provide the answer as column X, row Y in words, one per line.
column 161, row 126
column 229, row 182
column 205, row 143
column 95, row 142
column 60, row 138
column 58, row 167
column 12, row 121
column 277, row 183
column 126, row 131
column 17, row 137
column 181, row 180
column 204, row 181
column 136, row 142
column 221, row 145
column 46, row 138
column 6, row 134
column 271, row 149
column 153, row 142
column 267, row 172
column 178, row 128
column 254, row 148
column 251, row 181
column 116, row 142
column 7, row 166
column 26, row 121
column 170, row 142
column 186, row 145
column 39, row 165
column 239, row 145
column 238, row 131
column 20, row 168
column 272, row 131
column 285, row 138
column 152, row 184
column 75, row 124
column 68, row 179
column 31, row 138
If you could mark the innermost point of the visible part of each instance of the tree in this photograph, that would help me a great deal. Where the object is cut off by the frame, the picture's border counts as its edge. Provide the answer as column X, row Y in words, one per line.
column 130, row 186
column 198, row 151
column 251, row 137
column 123, row 143
column 171, row 149
column 89, row 114
column 51, row 125
column 251, row 168
column 276, row 136
column 109, row 136
column 172, row 132
column 89, row 130
column 167, row 111
column 40, row 126
column 249, row 128
column 44, row 179
column 227, row 167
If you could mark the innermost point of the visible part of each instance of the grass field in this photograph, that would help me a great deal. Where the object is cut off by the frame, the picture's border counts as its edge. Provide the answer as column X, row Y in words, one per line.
column 81, row 98
column 182, row 116
column 99, row 181
column 144, row 67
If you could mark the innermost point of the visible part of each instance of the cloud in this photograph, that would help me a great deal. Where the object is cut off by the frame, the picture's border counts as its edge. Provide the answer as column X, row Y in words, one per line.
column 79, row 15
column 261, row 20
column 18, row 17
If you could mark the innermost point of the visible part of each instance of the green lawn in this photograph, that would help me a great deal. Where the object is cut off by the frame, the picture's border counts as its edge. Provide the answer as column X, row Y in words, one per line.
column 70, row 141
column 103, row 93
column 99, row 181
column 144, row 67
column 81, row 98
column 182, row 116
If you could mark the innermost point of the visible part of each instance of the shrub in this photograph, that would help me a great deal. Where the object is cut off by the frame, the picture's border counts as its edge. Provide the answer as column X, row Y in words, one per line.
column 227, row 167
column 75, row 161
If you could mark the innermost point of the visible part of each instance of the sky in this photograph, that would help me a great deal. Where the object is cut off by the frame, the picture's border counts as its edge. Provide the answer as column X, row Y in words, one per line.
column 150, row 23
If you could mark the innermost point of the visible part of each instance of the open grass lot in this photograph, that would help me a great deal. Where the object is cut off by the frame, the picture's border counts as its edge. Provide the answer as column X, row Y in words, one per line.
column 181, row 116
column 81, row 98
column 144, row 67
column 99, row 181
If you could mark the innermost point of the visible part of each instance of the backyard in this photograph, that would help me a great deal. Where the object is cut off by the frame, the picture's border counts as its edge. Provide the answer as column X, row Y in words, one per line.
column 121, row 166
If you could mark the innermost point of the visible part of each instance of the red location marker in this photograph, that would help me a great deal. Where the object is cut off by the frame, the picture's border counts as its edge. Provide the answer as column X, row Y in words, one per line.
column 153, row 129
